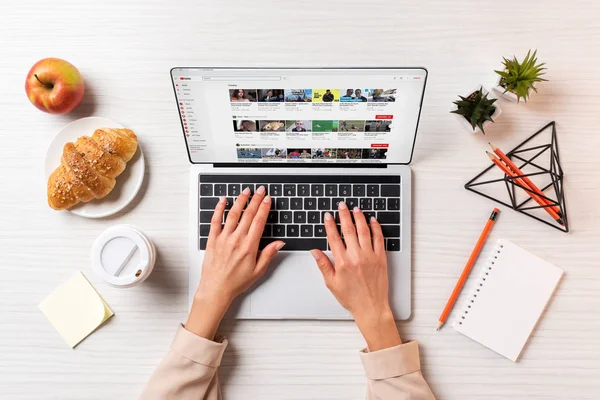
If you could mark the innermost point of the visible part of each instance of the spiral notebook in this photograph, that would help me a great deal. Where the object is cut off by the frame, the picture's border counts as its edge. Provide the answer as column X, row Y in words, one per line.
column 510, row 296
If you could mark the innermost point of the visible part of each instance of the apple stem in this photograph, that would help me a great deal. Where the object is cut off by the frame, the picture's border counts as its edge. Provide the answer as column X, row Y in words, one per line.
column 48, row 85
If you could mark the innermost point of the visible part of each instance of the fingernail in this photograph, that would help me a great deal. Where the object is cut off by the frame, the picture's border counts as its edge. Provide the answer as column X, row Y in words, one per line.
column 260, row 190
column 279, row 246
column 222, row 199
column 355, row 209
column 267, row 199
column 327, row 216
column 315, row 254
column 342, row 205
column 373, row 219
column 246, row 191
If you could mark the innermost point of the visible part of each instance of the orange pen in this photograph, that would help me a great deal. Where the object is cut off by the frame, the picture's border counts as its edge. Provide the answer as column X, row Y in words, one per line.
column 520, row 181
column 467, row 270
column 526, row 179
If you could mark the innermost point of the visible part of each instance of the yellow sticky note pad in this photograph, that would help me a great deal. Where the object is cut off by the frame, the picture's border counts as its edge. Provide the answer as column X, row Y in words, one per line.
column 75, row 309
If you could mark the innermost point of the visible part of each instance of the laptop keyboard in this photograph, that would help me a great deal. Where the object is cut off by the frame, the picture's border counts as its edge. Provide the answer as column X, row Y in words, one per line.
column 301, row 201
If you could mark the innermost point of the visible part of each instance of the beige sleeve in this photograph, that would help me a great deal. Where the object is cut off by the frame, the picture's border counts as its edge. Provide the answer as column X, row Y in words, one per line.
column 188, row 371
column 395, row 374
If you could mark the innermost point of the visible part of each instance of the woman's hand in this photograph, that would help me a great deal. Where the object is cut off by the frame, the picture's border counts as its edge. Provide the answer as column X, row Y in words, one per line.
column 358, row 277
column 232, row 262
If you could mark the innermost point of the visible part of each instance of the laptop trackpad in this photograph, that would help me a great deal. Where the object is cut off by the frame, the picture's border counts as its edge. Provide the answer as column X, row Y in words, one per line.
column 293, row 288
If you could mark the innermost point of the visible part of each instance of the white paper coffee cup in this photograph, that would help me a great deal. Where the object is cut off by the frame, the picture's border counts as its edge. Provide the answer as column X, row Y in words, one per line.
column 123, row 256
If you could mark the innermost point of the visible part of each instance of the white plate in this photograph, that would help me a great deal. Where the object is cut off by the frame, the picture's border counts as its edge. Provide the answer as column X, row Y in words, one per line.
column 128, row 183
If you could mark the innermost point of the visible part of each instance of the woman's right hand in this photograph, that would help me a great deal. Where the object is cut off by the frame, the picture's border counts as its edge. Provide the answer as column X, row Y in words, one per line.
column 358, row 276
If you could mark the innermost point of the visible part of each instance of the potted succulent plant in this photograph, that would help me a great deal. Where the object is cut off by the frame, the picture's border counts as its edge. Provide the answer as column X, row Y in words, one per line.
column 476, row 111
column 516, row 81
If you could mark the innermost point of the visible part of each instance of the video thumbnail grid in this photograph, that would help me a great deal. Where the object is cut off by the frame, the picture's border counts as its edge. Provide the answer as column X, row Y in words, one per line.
column 307, row 153
column 342, row 125
column 325, row 95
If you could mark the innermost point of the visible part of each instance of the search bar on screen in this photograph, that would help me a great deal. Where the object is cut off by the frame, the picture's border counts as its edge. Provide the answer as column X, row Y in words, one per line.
column 241, row 78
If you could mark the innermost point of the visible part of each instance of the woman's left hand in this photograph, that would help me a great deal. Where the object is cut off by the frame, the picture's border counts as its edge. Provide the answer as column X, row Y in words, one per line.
column 232, row 262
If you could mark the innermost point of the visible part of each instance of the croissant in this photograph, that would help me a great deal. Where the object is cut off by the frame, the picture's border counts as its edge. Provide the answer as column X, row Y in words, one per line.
column 89, row 167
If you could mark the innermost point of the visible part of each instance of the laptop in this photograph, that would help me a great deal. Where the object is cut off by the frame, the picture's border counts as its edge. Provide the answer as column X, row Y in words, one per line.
column 313, row 137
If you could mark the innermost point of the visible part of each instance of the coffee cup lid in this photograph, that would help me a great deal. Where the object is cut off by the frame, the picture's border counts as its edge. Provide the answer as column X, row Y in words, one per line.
column 122, row 256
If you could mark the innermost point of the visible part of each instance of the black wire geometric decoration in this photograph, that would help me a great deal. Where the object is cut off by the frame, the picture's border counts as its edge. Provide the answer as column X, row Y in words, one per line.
column 528, row 159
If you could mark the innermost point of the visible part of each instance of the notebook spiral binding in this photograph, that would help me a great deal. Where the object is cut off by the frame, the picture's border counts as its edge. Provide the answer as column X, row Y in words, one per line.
column 485, row 274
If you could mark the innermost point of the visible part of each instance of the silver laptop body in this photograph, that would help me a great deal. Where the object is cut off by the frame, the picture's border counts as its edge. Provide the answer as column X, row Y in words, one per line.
column 293, row 287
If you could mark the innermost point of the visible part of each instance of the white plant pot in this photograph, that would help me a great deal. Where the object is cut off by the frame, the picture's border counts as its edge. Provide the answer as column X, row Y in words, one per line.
column 499, row 90
column 463, row 121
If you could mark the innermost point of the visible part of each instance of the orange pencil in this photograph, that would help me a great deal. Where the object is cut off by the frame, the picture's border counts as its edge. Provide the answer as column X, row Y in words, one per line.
column 520, row 181
column 467, row 270
column 526, row 179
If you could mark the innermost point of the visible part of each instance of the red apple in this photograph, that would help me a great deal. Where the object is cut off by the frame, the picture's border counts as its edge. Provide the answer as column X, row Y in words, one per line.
column 54, row 86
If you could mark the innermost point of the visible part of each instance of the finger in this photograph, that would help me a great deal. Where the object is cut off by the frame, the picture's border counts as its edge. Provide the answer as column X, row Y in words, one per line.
column 251, row 210
column 324, row 264
column 333, row 236
column 260, row 219
column 216, row 221
column 348, row 229
column 362, row 229
column 236, row 211
column 266, row 256
column 378, row 241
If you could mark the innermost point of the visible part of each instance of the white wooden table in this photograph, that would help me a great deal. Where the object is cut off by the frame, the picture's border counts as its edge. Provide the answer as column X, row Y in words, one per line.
column 125, row 48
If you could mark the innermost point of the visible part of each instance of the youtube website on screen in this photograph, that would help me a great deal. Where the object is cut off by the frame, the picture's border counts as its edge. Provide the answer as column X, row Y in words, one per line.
column 299, row 115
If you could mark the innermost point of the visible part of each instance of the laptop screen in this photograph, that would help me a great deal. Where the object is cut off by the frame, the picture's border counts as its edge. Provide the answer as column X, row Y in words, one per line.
column 263, row 115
